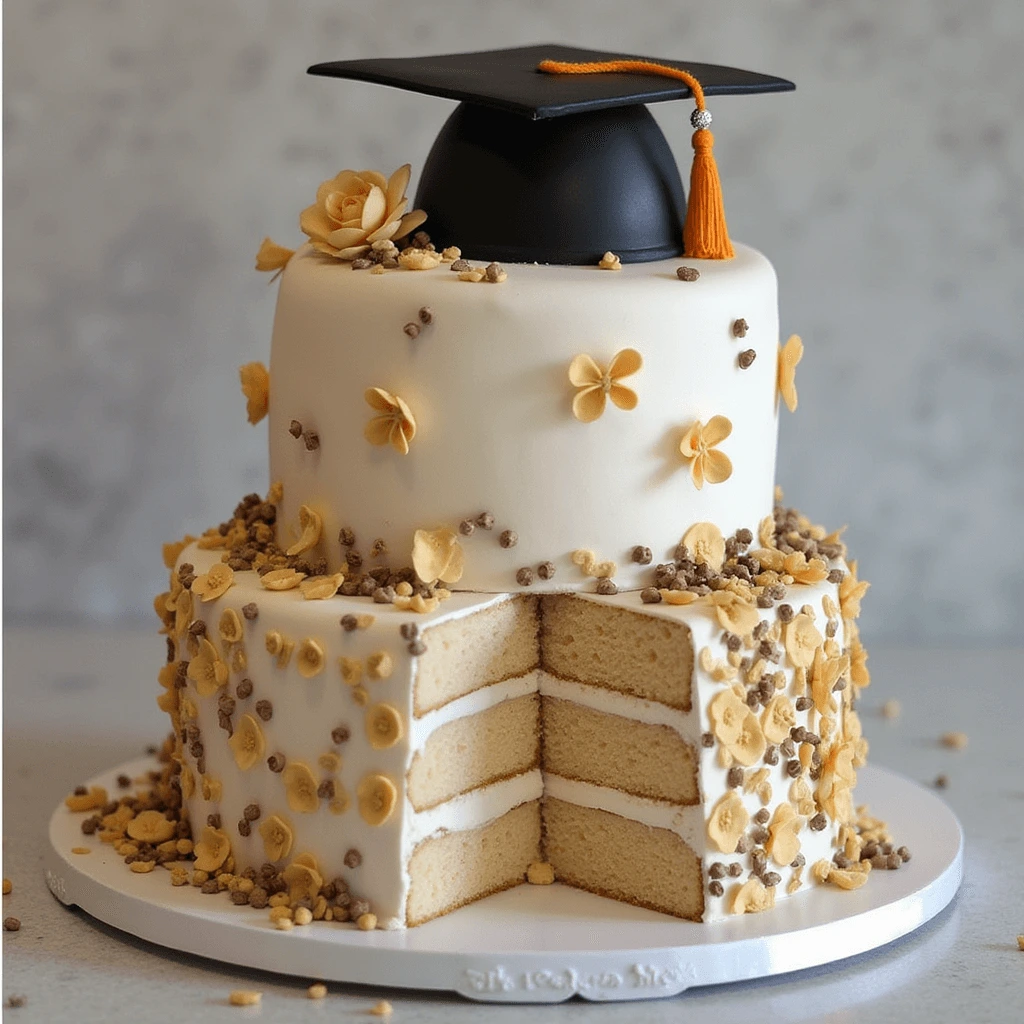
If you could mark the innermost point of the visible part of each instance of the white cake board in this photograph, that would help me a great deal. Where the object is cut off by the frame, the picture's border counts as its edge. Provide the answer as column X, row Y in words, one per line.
column 536, row 944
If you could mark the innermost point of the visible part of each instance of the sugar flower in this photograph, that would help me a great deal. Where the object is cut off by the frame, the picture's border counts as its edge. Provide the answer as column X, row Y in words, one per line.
column 256, row 388
column 789, row 355
column 437, row 555
column 395, row 425
column 699, row 445
column 356, row 209
column 595, row 384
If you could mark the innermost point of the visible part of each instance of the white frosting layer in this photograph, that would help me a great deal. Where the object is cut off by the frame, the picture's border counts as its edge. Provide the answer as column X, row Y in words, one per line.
column 488, row 384
column 306, row 710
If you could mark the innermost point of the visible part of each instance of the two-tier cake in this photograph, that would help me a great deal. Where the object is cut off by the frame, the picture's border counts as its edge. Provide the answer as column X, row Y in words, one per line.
column 520, row 604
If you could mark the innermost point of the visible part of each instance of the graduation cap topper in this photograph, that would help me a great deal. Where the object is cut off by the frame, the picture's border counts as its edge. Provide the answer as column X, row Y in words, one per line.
column 552, row 156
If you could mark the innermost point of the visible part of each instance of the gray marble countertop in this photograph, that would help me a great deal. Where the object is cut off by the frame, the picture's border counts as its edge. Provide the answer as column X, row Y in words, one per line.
column 77, row 702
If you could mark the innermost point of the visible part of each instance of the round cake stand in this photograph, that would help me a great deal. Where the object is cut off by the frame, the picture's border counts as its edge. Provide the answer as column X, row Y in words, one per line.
column 536, row 944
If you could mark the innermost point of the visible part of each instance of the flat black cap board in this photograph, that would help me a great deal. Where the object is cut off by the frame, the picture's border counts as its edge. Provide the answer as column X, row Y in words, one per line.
column 552, row 167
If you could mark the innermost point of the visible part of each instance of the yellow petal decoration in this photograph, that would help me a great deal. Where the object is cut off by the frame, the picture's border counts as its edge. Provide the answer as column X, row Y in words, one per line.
column 802, row 640
column 151, row 827
column 752, row 897
column 247, row 743
column 311, row 526
column 212, row 850
column 256, row 388
column 783, row 841
column 273, row 257
column 277, row 837
column 789, row 355
column 300, row 787
column 595, row 383
column 171, row 552
column 733, row 612
column 802, row 570
column 357, row 208
column 230, row 626
column 351, row 670
column 395, row 424
column 700, row 447
column 321, row 588
column 188, row 781
column 304, row 881
column 380, row 665
column 838, row 777
column 310, row 659
column 376, row 796
column 383, row 726
column 851, row 590
column 727, row 713
column 215, row 582
column 749, row 747
column 706, row 544
column 183, row 611
column 778, row 718
column 728, row 822
column 859, row 673
column 206, row 670
column 590, row 566
column 437, row 555
column 281, row 579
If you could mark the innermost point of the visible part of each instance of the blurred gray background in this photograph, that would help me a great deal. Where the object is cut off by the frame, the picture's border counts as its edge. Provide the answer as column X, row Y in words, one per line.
column 151, row 145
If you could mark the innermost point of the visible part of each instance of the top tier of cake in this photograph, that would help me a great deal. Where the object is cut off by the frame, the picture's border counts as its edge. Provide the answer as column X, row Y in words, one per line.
column 487, row 382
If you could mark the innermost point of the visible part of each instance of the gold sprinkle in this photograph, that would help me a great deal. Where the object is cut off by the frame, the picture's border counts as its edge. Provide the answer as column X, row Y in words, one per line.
column 245, row 997
column 366, row 922
column 382, row 1009
column 955, row 740
column 80, row 849
column 317, row 991
column 891, row 709
column 609, row 261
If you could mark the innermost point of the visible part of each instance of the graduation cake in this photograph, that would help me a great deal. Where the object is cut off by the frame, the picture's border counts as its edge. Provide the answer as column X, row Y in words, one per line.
column 519, row 605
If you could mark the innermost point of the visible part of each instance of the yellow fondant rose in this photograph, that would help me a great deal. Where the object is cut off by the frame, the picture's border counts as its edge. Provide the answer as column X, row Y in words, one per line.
column 358, row 208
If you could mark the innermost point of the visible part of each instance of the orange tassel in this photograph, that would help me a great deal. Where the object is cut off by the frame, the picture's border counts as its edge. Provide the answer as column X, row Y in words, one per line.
column 705, row 235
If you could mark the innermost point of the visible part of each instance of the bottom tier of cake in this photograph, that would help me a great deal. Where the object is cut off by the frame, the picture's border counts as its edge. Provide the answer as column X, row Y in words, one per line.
column 693, row 753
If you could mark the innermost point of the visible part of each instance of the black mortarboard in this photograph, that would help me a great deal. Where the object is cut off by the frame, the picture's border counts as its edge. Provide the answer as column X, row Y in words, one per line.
column 558, row 167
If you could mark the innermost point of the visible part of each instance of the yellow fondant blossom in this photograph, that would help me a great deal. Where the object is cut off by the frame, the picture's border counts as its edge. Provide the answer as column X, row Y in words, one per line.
column 437, row 555
column 256, row 388
column 247, row 743
column 230, row 626
column 273, row 257
column 837, row 779
column 590, row 566
column 311, row 524
column 277, row 837
column 395, row 425
column 151, row 827
column 783, row 839
column 171, row 552
column 281, row 579
column 212, row 850
column 851, row 590
column 789, row 355
column 778, row 718
column 752, row 897
column 300, row 787
column 206, row 670
column 377, row 797
column 734, row 612
column 825, row 672
column 321, row 588
column 802, row 640
column 218, row 579
column 700, row 447
column 727, row 823
column 802, row 570
column 595, row 384
column 706, row 545
column 383, row 726
column 356, row 209
column 304, row 880
column 380, row 665
column 310, row 658
column 736, row 727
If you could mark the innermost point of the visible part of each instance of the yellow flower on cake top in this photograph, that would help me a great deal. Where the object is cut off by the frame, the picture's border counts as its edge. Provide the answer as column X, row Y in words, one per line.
column 256, row 388
column 437, row 555
column 595, row 383
column 212, row 584
column 789, row 355
column 700, row 447
column 356, row 209
column 395, row 425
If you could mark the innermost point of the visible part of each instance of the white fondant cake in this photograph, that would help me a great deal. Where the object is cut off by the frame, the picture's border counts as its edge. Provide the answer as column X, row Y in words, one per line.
column 488, row 385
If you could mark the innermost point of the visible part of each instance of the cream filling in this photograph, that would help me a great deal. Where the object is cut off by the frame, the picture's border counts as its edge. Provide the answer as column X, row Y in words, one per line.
column 685, row 822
